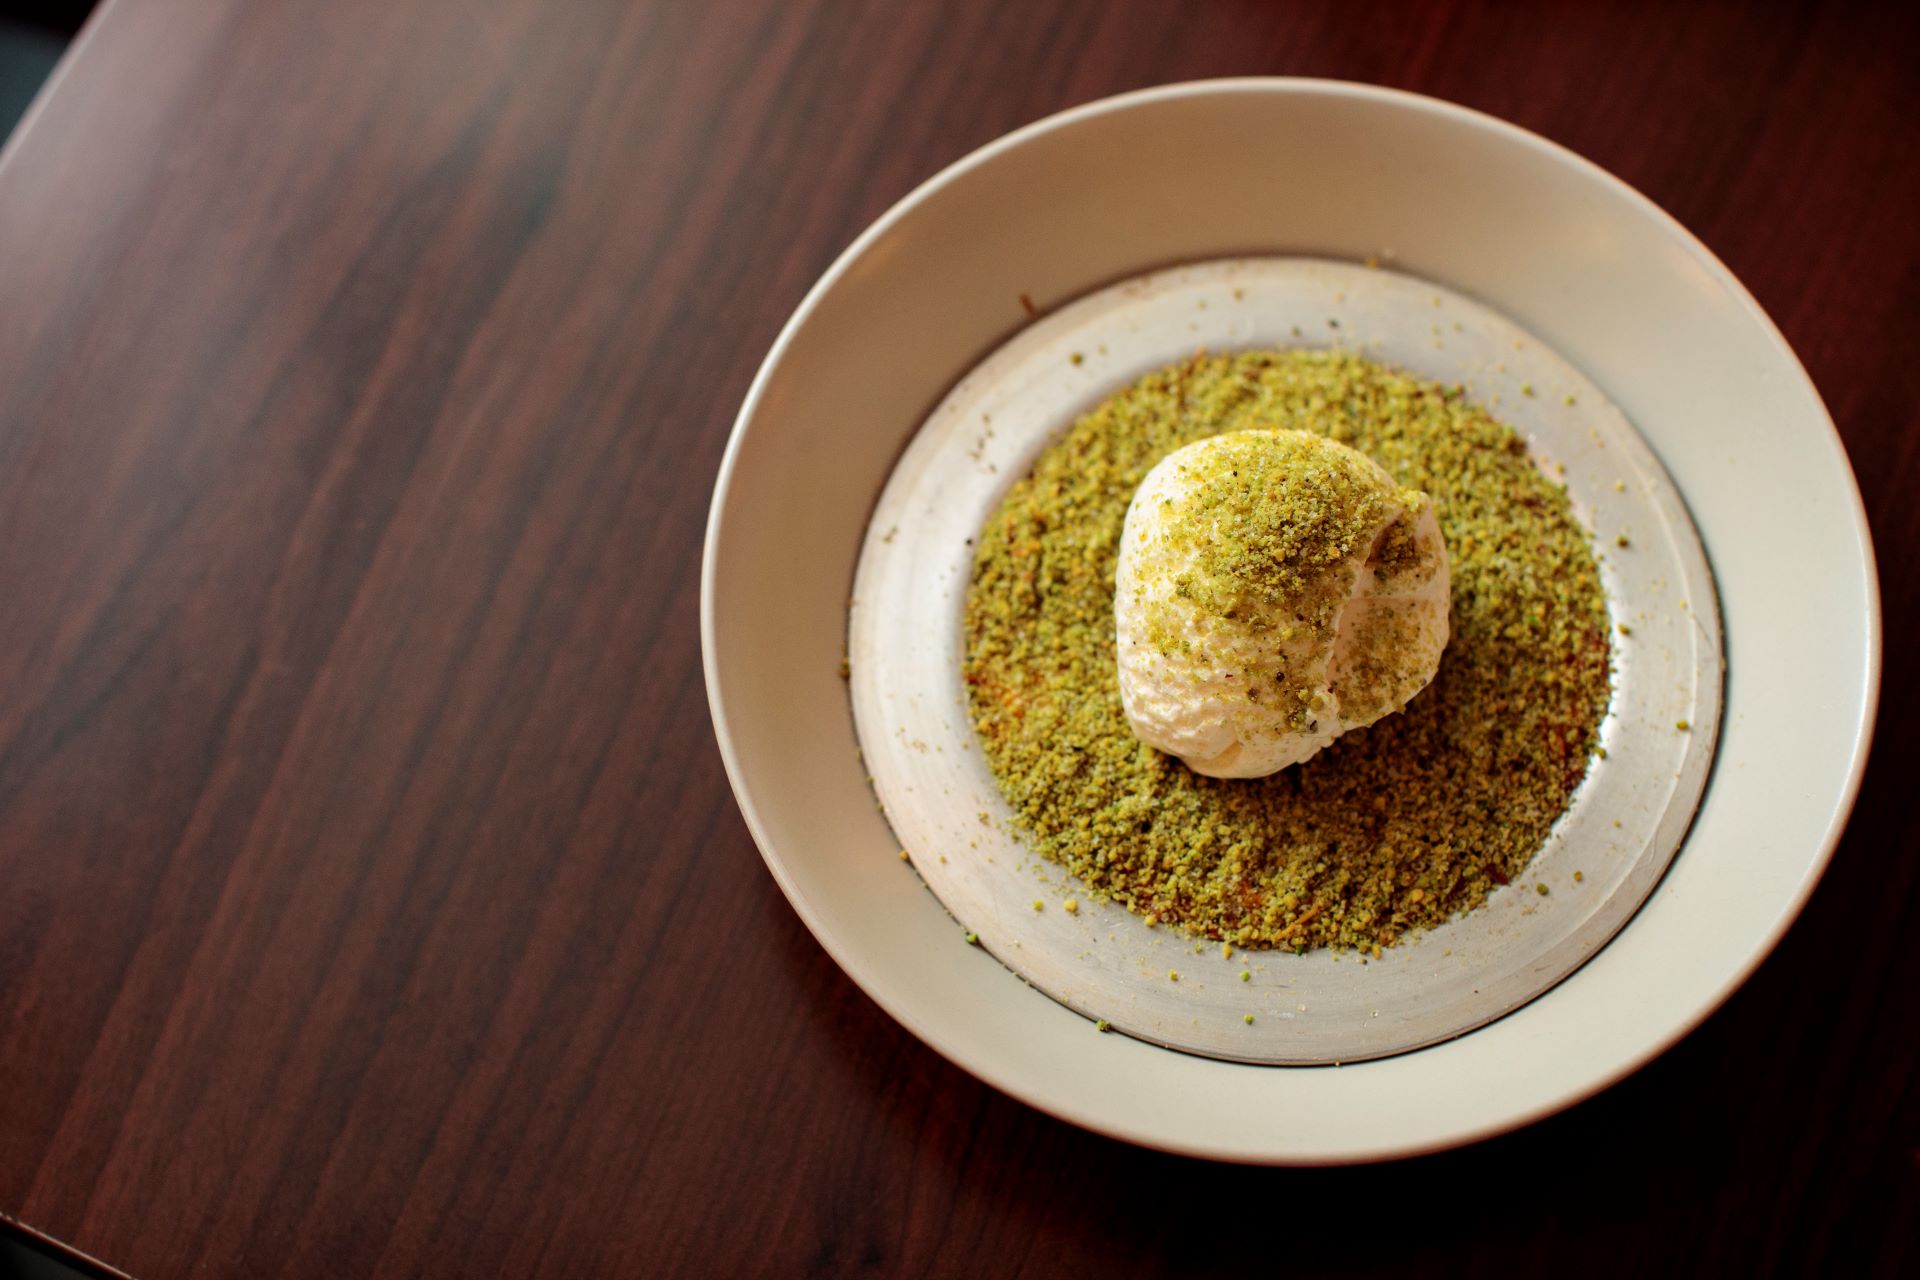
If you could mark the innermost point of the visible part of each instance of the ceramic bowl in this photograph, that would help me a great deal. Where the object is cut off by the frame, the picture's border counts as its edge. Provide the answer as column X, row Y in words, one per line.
column 1211, row 170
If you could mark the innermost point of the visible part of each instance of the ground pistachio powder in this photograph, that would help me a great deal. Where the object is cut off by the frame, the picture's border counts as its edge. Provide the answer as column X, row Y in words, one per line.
column 1397, row 826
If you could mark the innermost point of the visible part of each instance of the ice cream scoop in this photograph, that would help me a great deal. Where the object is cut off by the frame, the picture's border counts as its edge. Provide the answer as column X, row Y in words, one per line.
column 1274, row 589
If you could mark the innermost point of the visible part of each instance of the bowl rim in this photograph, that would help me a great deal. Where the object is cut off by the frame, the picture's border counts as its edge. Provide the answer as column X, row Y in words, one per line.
column 1841, row 808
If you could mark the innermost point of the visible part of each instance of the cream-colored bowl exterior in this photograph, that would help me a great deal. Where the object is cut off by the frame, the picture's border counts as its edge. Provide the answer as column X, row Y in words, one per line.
column 1209, row 170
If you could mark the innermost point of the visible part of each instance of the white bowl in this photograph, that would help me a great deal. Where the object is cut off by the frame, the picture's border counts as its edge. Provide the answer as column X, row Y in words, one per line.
column 1214, row 169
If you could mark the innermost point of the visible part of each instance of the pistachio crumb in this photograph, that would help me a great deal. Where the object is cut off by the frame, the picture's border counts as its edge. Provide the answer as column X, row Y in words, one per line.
column 1246, row 975
column 973, row 939
column 1247, row 1018
column 1541, row 889
column 1071, row 906
column 1525, row 683
column 1102, row 1025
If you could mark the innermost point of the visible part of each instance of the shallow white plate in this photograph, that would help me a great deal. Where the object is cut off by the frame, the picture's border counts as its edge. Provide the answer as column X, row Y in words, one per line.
column 905, row 642
column 1193, row 172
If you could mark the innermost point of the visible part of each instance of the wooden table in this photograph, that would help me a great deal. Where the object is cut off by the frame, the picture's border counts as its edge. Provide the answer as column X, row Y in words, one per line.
column 371, row 898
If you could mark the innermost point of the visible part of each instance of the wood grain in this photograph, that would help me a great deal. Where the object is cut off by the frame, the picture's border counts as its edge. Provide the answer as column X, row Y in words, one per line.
column 374, row 902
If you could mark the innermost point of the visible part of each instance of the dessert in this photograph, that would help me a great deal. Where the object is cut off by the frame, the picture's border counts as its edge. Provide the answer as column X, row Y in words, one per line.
column 1273, row 590
column 1392, row 827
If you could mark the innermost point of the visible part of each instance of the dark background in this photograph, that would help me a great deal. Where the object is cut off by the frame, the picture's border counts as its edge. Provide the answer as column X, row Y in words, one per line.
column 374, row 903
column 32, row 37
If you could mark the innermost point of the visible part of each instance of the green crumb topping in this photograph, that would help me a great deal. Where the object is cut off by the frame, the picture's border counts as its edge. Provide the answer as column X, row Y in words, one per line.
column 1247, row 1018
column 1394, row 827
column 1246, row 976
column 1683, row 725
column 1071, row 906
column 1542, row 890
column 1102, row 1025
column 1173, row 975
column 973, row 939
column 1039, row 905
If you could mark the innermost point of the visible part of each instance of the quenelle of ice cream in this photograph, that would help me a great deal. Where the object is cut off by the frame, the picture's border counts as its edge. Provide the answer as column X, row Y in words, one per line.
column 1274, row 589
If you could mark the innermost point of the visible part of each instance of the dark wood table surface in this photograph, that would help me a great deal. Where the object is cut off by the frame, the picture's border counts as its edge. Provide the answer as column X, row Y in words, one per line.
column 372, row 901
